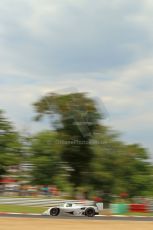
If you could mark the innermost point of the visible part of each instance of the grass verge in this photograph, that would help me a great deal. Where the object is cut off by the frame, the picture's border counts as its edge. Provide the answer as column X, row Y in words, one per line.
column 140, row 214
column 21, row 209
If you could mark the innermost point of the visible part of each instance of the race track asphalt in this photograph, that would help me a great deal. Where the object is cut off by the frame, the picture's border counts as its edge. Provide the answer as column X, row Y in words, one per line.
column 115, row 218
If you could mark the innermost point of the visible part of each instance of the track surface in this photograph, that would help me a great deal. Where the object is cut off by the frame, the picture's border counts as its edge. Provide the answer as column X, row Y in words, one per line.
column 98, row 218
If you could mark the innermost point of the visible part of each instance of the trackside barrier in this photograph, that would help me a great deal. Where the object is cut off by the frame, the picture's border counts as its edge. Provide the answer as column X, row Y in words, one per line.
column 45, row 202
column 138, row 208
column 125, row 208
column 119, row 208
column 36, row 202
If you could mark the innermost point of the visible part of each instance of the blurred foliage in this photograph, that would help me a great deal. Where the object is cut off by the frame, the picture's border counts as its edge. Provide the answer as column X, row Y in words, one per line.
column 110, row 166
column 78, row 154
column 77, row 119
column 46, row 157
column 10, row 145
column 118, row 167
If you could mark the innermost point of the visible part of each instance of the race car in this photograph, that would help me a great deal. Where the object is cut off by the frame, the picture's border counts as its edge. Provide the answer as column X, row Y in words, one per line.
column 75, row 209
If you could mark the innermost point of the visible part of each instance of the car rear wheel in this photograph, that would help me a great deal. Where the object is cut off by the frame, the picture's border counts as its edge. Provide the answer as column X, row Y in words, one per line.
column 54, row 212
column 90, row 212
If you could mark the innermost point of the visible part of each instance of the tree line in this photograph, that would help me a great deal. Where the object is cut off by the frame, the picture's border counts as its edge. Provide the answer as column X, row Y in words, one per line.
column 78, row 151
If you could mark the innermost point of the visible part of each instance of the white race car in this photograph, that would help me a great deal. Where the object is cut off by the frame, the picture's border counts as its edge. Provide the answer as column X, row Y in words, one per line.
column 75, row 209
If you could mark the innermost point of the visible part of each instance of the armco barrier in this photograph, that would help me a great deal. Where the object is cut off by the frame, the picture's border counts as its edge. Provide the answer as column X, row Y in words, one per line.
column 138, row 208
column 35, row 202
column 41, row 202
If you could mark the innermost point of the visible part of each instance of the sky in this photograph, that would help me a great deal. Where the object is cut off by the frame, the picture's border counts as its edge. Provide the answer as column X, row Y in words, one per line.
column 101, row 47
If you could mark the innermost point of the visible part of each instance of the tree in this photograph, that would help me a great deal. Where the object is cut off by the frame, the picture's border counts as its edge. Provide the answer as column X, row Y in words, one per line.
column 75, row 118
column 110, row 166
column 118, row 167
column 48, row 167
column 10, row 146
column 137, row 170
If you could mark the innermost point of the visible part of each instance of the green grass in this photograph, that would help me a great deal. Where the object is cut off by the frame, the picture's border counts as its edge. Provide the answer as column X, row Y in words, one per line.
column 140, row 214
column 21, row 209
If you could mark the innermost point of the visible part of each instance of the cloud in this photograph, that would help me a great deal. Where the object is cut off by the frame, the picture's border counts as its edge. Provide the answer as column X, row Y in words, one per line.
column 104, row 48
column 54, row 37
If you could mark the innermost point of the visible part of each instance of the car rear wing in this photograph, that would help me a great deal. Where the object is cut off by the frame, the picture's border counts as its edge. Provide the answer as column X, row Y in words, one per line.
column 100, row 206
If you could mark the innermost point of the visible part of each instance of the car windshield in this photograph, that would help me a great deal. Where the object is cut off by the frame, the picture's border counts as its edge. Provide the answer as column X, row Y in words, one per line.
column 68, row 205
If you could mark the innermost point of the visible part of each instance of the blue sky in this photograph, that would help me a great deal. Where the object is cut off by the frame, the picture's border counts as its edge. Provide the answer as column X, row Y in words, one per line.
column 101, row 47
